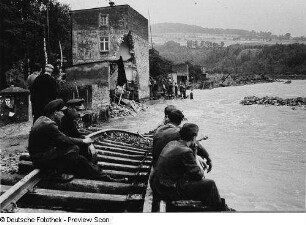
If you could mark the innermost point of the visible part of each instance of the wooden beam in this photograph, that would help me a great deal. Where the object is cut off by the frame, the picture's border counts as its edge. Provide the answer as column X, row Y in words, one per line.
column 79, row 200
column 104, row 143
column 12, row 195
column 120, row 160
column 122, row 167
column 122, row 155
column 93, row 186
column 103, row 158
column 120, row 150
column 122, row 143
column 26, row 166
column 148, row 200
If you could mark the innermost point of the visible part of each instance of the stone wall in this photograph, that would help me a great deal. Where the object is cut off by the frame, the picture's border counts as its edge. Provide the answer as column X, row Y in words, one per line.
column 122, row 21
column 141, row 48
column 100, row 96
column 94, row 74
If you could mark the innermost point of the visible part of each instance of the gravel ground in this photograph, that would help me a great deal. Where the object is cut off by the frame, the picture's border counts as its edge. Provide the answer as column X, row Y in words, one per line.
column 13, row 142
column 14, row 138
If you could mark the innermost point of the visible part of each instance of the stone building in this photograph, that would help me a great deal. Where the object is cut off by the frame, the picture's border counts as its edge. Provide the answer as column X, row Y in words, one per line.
column 182, row 72
column 99, row 37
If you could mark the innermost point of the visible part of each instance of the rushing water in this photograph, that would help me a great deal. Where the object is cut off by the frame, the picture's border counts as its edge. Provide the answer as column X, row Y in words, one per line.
column 258, row 152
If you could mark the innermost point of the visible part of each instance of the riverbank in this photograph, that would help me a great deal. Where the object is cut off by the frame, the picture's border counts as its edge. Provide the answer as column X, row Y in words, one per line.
column 14, row 137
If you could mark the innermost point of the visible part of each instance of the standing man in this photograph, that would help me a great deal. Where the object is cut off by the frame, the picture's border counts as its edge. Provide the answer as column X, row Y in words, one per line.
column 177, row 176
column 175, row 90
column 36, row 72
column 43, row 90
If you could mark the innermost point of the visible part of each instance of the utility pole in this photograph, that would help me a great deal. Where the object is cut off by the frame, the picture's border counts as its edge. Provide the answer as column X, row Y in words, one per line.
column 150, row 28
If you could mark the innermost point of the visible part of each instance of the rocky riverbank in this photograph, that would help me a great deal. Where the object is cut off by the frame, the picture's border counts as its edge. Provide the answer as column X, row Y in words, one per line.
column 276, row 101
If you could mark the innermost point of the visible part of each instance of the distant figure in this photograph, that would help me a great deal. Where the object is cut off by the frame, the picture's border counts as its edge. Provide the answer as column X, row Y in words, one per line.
column 170, row 90
column 176, row 90
column 191, row 93
column 43, row 90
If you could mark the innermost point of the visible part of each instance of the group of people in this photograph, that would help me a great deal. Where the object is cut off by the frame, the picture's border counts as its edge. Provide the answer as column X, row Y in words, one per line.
column 179, row 162
column 55, row 143
column 169, row 89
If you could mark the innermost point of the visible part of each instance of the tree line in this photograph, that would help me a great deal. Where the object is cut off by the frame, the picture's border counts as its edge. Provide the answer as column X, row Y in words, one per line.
column 275, row 59
column 23, row 26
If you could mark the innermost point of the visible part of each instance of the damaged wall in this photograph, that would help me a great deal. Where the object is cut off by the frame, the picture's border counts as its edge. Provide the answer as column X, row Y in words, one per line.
column 96, row 75
column 91, row 29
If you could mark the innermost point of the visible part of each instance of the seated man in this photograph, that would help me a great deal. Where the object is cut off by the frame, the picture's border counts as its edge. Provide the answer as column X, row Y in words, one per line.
column 50, row 149
column 166, row 133
column 170, row 131
column 68, row 124
column 178, row 177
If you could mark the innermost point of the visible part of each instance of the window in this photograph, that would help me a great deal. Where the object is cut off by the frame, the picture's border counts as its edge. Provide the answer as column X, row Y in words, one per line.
column 104, row 44
column 103, row 20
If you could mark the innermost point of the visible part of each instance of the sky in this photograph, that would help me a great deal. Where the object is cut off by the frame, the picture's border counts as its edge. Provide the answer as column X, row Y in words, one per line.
column 276, row 16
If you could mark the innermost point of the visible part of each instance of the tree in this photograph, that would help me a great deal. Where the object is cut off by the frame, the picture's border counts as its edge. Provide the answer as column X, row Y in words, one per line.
column 22, row 29
column 159, row 66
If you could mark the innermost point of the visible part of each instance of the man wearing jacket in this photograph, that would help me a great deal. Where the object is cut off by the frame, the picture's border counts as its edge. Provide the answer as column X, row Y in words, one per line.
column 177, row 176
column 50, row 149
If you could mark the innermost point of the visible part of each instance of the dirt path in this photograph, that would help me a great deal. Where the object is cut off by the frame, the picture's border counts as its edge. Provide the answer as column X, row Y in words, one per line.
column 13, row 142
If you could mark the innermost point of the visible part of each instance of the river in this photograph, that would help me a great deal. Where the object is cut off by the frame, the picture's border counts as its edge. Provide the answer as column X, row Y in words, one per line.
column 258, row 152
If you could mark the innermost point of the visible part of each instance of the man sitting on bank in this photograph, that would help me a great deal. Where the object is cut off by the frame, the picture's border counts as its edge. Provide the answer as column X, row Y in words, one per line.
column 177, row 176
column 170, row 131
column 50, row 149
column 68, row 123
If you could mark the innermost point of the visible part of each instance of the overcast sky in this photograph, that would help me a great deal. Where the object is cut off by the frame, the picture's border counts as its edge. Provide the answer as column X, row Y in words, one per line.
column 277, row 16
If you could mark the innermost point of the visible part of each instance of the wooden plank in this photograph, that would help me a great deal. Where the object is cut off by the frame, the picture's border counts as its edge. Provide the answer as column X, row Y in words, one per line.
column 120, row 160
column 93, row 186
column 26, row 166
column 75, row 200
column 122, row 167
column 104, row 143
column 110, row 159
column 122, row 155
column 148, row 200
column 123, row 143
column 120, row 150
column 18, row 190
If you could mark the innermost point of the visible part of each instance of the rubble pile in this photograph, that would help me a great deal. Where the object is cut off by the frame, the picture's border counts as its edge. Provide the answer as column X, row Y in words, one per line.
column 119, row 111
column 293, row 102
column 130, row 138
column 9, row 162
column 127, row 108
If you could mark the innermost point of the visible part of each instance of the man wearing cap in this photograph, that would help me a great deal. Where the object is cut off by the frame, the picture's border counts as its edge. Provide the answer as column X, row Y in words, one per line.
column 68, row 123
column 49, row 148
column 43, row 90
column 170, row 131
column 177, row 176
column 167, row 133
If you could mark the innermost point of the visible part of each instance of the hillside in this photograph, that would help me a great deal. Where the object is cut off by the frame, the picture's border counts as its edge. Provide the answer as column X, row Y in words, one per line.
column 185, row 28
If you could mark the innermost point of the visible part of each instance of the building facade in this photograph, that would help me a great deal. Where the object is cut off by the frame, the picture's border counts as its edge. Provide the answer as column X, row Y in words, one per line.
column 182, row 73
column 99, row 37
